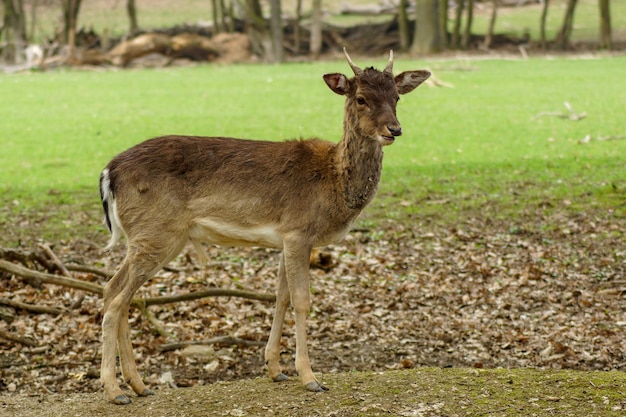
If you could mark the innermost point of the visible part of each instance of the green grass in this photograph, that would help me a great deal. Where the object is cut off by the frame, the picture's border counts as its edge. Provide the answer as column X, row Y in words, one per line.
column 473, row 144
column 519, row 20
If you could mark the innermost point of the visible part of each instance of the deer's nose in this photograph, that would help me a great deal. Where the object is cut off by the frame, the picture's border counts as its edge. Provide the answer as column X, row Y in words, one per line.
column 395, row 130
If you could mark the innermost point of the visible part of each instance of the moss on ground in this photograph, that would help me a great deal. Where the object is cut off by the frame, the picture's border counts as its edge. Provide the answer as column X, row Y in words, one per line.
column 414, row 392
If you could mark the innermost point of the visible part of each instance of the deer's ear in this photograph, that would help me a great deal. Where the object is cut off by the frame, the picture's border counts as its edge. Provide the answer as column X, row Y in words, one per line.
column 339, row 83
column 409, row 80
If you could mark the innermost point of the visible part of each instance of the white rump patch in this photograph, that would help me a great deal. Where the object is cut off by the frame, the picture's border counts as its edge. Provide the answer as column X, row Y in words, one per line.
column 107, row 196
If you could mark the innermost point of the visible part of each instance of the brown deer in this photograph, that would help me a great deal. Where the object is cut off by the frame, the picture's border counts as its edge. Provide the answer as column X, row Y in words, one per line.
column 293, row 196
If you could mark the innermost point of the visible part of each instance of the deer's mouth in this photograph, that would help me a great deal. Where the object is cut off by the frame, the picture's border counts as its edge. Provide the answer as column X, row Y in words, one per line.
column 386, row 140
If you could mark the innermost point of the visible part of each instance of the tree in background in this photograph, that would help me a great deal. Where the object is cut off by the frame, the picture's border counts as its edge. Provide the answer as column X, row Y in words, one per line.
column 256, row 26
column 276, row 27
column 564, row 35
column 467, row 32
column 492, row 23
column 430, row 27
column 605, row 24
column 316, row 29
column 70, row 18
column 132, row 16
column 14, row 29
column 542, row 23
column 455, row 41
column 403, row 26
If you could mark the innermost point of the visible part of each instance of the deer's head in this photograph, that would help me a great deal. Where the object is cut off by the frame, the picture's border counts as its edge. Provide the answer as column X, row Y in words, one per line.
column 372, row 96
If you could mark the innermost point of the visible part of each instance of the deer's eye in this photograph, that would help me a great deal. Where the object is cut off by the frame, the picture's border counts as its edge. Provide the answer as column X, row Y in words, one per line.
column 360, row 101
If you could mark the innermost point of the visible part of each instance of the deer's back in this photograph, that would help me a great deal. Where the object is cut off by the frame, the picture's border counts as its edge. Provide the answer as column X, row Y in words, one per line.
column 229, row 187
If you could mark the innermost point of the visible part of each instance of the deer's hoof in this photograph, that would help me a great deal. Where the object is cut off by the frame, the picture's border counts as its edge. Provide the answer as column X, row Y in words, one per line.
column 280, row 377
column 122, row 400
column 146, row 392
column 316, row 387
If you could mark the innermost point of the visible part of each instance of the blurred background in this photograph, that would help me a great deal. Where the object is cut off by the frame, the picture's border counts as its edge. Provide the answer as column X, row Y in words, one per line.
column 40, row 33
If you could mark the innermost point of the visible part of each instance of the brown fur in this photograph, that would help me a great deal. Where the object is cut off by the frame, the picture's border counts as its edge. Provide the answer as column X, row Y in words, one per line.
column 292, row 195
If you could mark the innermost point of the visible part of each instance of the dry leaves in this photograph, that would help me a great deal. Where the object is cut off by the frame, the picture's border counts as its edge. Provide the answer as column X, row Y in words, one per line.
column 544, row 291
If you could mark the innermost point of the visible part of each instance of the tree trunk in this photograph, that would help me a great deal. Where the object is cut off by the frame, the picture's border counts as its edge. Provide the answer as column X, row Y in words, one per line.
column 228, row 16
column 216, row 12
column 563, row 38
column 33, row 19
column 467, row 33
column 605, row 24
column 542, row 27
column 256, row 27
column 132, row 16
column 276, row 27
column 14, row 25
column 428, row 32
column 403, row 26
column 492, row 24
column 297, row 34
column 458, row 18
column 443, row 23
column 316, row 29
column 70, row 18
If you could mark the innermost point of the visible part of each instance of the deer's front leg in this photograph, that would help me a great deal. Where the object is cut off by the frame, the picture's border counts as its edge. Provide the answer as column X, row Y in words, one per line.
column 272, row 350
column 297, row 270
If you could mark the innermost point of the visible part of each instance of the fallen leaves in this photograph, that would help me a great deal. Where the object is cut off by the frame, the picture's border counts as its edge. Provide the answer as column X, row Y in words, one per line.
column 541, row 291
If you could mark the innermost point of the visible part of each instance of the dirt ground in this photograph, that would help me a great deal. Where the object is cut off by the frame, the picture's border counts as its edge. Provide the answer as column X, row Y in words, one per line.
column 543, row 290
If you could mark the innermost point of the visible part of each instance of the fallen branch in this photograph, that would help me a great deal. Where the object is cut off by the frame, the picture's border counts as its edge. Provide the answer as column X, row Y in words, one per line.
column 225, row 340
column 153, row 320
column 23, row 256
column 42, row 277
column 212, row 292
column 27, row 341
column 55, row 260
column 589, row 138
column 572, row 115
column 30, row 307
column 90, row 269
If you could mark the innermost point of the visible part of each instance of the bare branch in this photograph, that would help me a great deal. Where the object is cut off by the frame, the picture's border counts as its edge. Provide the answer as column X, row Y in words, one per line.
column 27, row 341
column 90, row 269
column 226, row 340
column 30, row 307
column 40, row 277
column 212, row 292
column 29, row 274
column 55, row 259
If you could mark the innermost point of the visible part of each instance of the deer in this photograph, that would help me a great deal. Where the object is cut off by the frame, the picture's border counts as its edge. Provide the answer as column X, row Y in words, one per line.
column 293, row 196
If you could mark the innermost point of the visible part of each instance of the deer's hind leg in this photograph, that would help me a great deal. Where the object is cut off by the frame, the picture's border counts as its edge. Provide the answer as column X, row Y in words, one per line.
column 140, row 264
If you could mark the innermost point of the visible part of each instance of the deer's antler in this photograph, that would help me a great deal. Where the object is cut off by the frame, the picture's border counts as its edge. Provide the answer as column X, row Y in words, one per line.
column 357, row 70
column 389, row 67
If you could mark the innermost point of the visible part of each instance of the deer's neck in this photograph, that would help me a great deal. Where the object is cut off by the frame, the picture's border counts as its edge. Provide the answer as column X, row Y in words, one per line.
column 359, row 163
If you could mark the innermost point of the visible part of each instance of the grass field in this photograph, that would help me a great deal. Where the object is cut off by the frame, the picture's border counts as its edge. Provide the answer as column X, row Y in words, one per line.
column 479, row 141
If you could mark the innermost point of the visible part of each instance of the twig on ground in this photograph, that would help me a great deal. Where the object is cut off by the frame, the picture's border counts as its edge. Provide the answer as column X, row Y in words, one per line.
column 30, row 274
column 42, row 277
column 212, row 292
column 59, row 264
column 27, row 341
column 226, row 340
column 152, row 319
column 23, row 256
column 572, row 115
column 90, row 269
column 30, row 307
column 55, row 260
